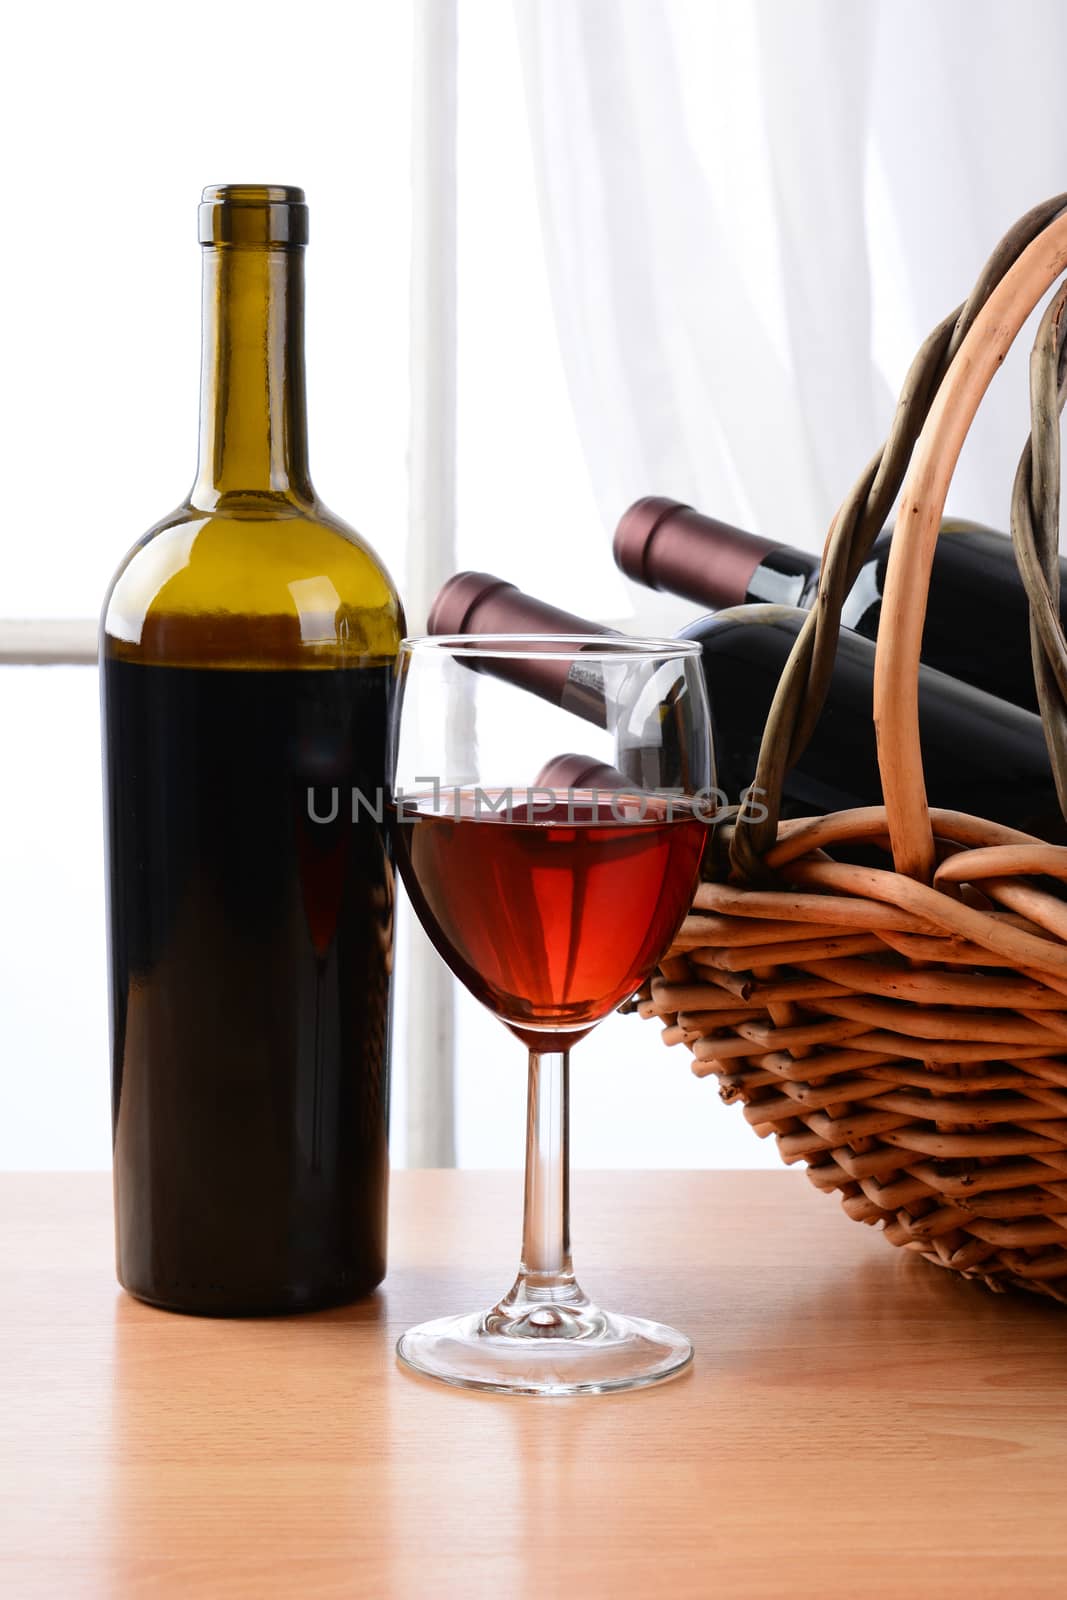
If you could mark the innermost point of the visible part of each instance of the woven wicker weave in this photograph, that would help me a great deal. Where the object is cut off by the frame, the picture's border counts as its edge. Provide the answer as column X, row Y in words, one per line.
column 904, row 1031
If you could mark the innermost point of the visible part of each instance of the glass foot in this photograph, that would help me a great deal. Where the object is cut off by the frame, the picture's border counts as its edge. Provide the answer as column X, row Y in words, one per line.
column 548, row 1349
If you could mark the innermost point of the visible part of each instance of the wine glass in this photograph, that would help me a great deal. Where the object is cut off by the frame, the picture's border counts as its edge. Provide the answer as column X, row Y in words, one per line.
column 551, row 847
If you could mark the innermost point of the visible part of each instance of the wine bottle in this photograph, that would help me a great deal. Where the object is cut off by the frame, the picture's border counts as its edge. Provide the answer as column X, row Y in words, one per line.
column 247, row 649
column 982, row 755
column 977, row 619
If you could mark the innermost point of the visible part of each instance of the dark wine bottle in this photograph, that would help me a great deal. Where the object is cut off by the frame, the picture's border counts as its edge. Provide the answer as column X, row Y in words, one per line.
column 247, row 649
column 982, row 755
column 977, row 618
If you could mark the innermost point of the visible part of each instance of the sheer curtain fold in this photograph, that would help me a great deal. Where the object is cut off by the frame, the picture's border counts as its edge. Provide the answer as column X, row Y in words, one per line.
column 642, row 268
column 751, row 215
column 838, row 403
column 969, row 120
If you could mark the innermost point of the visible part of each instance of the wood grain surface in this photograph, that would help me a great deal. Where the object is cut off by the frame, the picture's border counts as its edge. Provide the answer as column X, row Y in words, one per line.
column 856, row 1422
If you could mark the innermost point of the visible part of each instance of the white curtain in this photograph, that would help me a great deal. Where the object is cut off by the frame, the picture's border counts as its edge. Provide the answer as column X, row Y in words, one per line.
column 749, row 214
column 753, row 213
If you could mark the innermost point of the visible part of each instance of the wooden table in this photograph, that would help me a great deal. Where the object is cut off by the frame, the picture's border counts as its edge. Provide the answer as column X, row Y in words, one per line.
column 856, row 1423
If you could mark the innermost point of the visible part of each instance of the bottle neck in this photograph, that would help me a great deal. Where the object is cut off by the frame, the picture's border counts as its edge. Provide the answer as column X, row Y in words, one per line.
column 478, row 602
column 666, row 545
column 253, row 405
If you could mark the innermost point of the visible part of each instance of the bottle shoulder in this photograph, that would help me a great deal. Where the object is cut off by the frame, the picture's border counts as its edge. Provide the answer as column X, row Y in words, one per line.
column 750, row 621
column 262, row 578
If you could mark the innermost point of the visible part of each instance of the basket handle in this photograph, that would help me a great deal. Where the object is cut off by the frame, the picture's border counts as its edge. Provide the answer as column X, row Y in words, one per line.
column 896, row 677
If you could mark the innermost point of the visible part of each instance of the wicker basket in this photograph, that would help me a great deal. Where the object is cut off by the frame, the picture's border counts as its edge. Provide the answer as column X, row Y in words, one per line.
column 904, row 1031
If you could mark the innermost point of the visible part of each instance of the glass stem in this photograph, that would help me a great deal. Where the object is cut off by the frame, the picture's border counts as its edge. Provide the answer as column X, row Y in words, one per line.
column 546, row 1233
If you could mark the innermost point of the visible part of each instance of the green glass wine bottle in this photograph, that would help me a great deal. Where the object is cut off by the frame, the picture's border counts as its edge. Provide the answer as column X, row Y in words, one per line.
column 247, row 649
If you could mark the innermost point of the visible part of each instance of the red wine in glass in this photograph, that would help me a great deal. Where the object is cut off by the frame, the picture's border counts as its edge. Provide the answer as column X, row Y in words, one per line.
column 551, row 909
